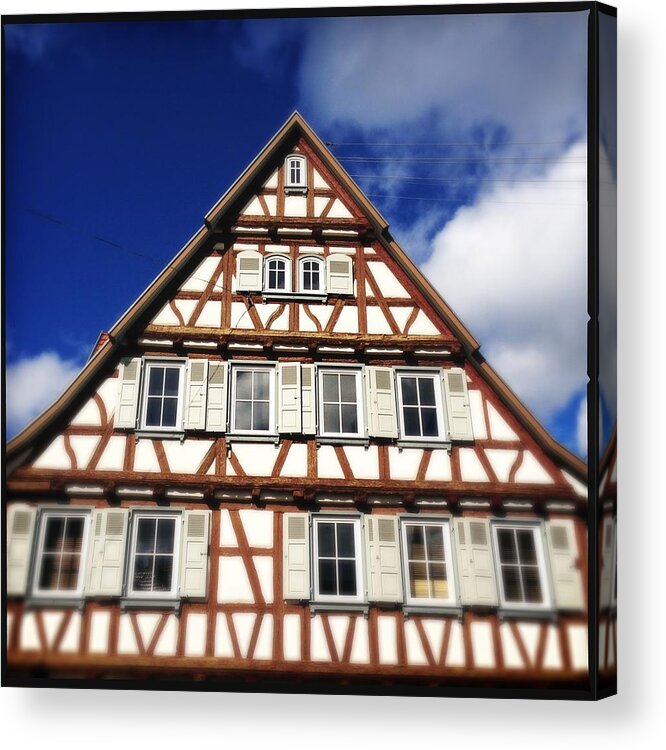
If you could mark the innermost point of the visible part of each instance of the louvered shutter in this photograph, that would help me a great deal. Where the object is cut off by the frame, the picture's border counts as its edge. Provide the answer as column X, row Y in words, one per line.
column 196, row 394
column 106, row 562
column 339, row 276
column 567, row 583
column 21, row 529
column 383, row 559
column 607, row 579
column 128, row 393
column 194, row 554
column 458, row 410
column 380, row 391
column 308, row 405
column 475, row 562
column 216, row 403
column 296, row 552
column 289, row 397
column 248, row 271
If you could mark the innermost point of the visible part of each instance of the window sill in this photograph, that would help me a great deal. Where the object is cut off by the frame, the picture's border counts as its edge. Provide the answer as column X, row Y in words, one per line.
column 452, row 610
column 231, row 438
column 441, row 444
column 527, row 614
column 295, row 189
column 323, row 440
column 269, row 296
column 54, row 602
column 316, row 607
column 138, row 603
column 165, row 435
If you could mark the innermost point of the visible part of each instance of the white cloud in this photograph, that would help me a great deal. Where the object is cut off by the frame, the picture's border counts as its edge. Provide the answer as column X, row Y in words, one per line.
column 514, row 267
column 581, row 427
column 32, row 384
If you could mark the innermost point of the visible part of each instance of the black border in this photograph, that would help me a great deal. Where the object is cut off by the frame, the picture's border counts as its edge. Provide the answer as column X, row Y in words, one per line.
column 321, row 686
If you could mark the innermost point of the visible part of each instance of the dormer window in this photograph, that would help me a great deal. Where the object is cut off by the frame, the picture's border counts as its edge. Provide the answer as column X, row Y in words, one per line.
column 295, row 174
column 278, row 275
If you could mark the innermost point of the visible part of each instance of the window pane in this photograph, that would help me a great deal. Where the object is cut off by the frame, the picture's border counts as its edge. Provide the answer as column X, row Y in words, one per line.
column 243, row 384
column 327, row 582
column 512, row 591
column 429, row 421
column 439, row 586
column 415, row 543
column 349, row 418
column 69, row 573
column 345, row 540
column 261, row 416
column 347, row 577
column 418, row 580
column 281, row 279
column 171, row 378
column 143, row 570
column 408, row 388
column 331, row 390
column 326, row 539
column 155, row 381
column 169, row 412
column 315, row 277
column 435, row 543
column 145, row 535
column 163, row 570
column 261, row 386
column 331, row 418
column 73, row 535
column 526, row 546
column 243, row 415
column 348, row 388
column 412, row 424
column 55, row 528
column 427, row 391
column 165, row 534
column 532, row 585
column 507, row 546
column 48, row 577
column 154, row 412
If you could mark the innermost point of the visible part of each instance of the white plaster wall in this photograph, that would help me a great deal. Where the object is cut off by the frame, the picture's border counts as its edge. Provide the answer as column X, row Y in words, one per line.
column 296, row 463
column 386, row 280
column 195, row 634
column 322, row 313
column 318, row 644
column 28, row 634
column 258, row 526
column 185, row 457
column 253, row 208
column 83, row 447
column 257, row 459
column 578, row 646
column 243, row 625
column 240, row 317
column 339, row 626
column 502, row 462
column 339, row 210
column 165, row 317
column 482, row 645
column 364, row 462
column 98, row 639
column 145, row 458
column 295, row 205
column 264, row 567
column 291, row 637
column 348, row 320
column 328, row 466
column 471, row 469
column 529, row 632
column 439, row 468
column 377, row 322
column 415, row 652
column 423, row 326
column 434, row 630
column 320, row 203
column 272, row 181
column 233, row 584
column 126, row 639
column 113, row 457
column 71, row 641
column 54, row 457
column 203, row 273
column 318, row 180
column 185, row 307
column 499, row 429
column 531, row 471
column 400, row 315
column 387, row 640
column 552, row 658
column 211, row 315
column 223, row 645
column 227, row 533
column 166, row 645
column 478, row 419
column 108, row 392
column 88, row 415
column 404, row 462
column 510, row 652
column 455, row 654
column 264, row 646
column 360, row 653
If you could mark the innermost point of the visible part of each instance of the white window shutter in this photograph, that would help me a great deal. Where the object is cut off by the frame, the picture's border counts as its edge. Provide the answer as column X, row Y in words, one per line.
column 106, row 560
column 20, row 532
column 380, row 392
column 475, row 562
column 128, row 393
column 216, row 402
column 296, row 552
column 607, row 578
column 196, row 393
column 249, row 271
column 567, row 582
column 339, row 274
column 289, row 397
column 383, row 559
column 308, row 404
column 194, row 554
column 458, row 410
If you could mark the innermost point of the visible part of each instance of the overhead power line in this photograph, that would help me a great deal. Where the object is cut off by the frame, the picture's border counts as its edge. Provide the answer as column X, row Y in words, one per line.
column 470, row 144
column 452, row 200
column 460, row 160
column 403, row 178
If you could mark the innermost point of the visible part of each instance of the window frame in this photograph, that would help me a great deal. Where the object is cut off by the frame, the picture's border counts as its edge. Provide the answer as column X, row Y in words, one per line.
column 538, row 531
column 147, row 364
column 360, row 402
column 289, row 185
column 442, row 417
column 245, row 366
column 449, row 560
column 359, row 561
column 38, row 553
column 136, row 515
column 322, row 275
column 288, row 286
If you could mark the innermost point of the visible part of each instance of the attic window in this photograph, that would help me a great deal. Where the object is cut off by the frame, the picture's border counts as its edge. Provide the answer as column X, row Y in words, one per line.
column 295, row 174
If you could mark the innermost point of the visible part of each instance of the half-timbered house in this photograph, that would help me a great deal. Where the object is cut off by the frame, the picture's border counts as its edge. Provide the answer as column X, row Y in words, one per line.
column 289, row 461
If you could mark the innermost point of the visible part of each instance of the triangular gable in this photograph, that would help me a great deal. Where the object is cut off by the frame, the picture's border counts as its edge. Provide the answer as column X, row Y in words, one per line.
column 238, row 199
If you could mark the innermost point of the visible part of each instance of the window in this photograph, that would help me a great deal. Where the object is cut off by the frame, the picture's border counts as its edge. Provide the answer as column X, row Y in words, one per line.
column 278, row 275
column 61, row 550
column 154, row 555
column 521, row 565
column 337, row 556
column 253, row 399
column 421, row 414
column 163, row 396
column 295, row 172
column 312, row 275
column 427, row 562
column 341, row 402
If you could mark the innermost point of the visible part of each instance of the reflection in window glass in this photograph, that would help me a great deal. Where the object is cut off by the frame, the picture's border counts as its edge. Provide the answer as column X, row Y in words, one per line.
column 59, row 559
column 519, row 564
column 252, row 400
column 154, row 554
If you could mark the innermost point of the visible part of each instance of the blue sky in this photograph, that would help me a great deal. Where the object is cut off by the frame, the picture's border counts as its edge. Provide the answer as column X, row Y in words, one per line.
column 468, row 132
